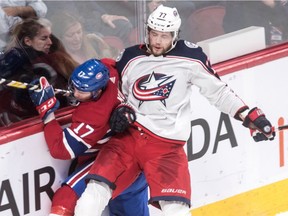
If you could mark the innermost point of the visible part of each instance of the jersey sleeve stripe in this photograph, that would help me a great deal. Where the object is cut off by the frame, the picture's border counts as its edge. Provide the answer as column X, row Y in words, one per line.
column 73, row 143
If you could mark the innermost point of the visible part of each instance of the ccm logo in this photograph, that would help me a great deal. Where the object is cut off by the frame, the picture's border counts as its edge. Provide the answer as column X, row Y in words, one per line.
column 47, row 105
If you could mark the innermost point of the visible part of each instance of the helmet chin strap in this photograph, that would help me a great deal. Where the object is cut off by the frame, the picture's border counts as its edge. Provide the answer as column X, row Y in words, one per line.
column 172, row 45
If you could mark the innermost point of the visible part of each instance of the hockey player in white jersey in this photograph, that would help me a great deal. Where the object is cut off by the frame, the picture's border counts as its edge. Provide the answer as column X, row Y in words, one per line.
column 156, row 79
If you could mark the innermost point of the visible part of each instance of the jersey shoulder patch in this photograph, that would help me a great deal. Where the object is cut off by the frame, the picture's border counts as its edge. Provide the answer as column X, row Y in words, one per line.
column 188, row 49
column 190, row 44
column 119, row 57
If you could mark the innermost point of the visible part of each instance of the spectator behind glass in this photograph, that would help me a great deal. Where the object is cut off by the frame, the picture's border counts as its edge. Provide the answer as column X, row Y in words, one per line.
column 31, row 54
column 79, row 45
column 269, row 14
column 97, row 20
column 13, row 11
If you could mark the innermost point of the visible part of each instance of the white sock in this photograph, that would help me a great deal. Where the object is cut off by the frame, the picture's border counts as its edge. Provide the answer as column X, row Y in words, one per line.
column 172, row 208
column 94, row 199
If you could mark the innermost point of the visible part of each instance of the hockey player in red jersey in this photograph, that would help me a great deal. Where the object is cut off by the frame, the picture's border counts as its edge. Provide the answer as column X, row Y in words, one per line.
column 98, row 97
column 156, row 79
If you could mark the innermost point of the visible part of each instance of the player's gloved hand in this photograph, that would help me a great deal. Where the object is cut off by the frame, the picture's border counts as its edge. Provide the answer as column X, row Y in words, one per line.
column 122, row 117
column 43, row 97
column 256, row 121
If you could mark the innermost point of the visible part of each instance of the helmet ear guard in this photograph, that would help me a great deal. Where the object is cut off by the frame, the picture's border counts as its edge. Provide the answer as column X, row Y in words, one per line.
column 164, row 19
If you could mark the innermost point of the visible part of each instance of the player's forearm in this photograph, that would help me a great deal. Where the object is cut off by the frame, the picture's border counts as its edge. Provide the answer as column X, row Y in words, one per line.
column 21, row 11
column 53, row 133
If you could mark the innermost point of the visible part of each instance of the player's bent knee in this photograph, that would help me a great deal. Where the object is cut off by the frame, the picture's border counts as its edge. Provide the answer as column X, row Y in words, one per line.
column 172, row 208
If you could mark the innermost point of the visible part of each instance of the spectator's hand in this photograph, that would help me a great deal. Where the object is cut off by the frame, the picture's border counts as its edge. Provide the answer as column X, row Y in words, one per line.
column 108, row 19
column 20, row 11
column 11, row 11
column 122, row 117
column 259, row 125
column 44, row 98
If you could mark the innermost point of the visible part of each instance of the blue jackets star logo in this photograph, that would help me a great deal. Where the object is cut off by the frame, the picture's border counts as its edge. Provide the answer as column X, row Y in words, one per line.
column 153, row 87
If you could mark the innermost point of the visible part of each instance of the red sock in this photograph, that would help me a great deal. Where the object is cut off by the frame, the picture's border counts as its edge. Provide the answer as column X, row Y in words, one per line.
column 64, row 201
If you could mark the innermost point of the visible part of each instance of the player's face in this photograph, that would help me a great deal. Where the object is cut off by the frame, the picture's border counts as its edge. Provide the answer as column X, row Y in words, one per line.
column 82, row 96
column 159, row 42
column 73, row 38
column 41, row 42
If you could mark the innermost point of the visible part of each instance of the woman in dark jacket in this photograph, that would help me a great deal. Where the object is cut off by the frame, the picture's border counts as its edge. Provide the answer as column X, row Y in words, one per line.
column 32, row 52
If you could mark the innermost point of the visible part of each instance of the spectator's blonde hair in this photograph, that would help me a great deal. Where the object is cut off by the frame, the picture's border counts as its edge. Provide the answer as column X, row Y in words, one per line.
column 30, row 28
column 93, row 45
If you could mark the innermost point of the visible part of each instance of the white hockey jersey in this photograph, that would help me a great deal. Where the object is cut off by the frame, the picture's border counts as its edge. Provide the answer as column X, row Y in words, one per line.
column 159, row 88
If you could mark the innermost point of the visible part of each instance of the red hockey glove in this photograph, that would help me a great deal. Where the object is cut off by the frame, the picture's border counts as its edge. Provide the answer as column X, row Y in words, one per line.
column 256, row 120
column 122, row 117
column 44, row 97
